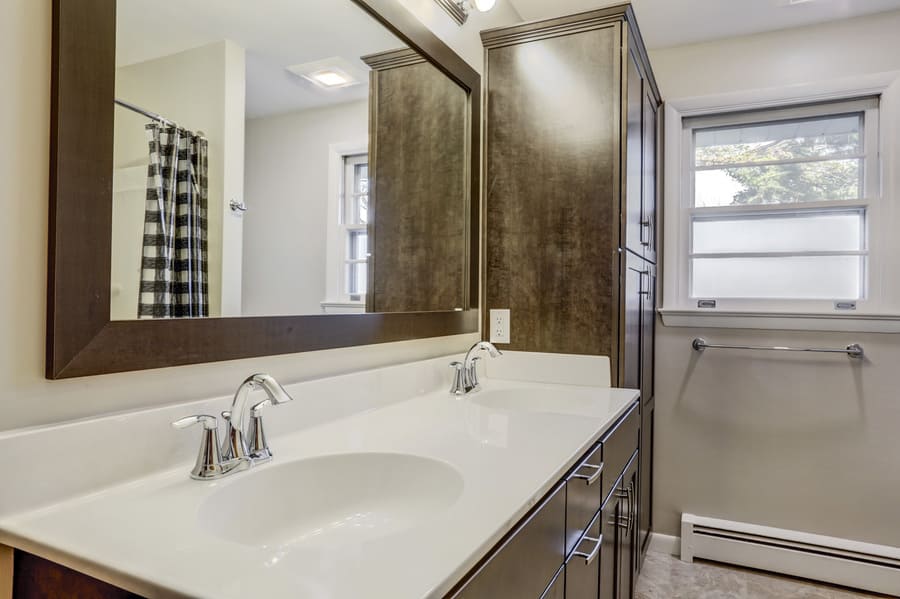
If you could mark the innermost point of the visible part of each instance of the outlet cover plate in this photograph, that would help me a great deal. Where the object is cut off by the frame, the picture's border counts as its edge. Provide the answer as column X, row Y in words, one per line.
column 499, row 323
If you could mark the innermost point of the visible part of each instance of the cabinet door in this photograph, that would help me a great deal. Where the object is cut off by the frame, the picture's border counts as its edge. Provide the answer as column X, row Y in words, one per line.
column 645, row 489
column 634, row 269
column 647, row 293
column 557, row 588
column 628, row 548
column 610, row 519
column 649, row 187
column 634, row 139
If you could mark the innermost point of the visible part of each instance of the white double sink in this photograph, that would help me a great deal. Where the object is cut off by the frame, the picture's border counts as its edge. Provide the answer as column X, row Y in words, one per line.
column 396, row 501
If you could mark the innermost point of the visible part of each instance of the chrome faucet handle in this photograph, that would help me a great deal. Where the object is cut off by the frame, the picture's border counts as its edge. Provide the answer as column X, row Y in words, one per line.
column 459, row 379
column 472, row 373
column 209, row 463
column 259, row 447
column 233, row 445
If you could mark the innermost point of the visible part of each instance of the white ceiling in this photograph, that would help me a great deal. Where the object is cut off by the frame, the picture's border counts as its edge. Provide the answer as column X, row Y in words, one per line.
column 675, row 22
column 275, row 33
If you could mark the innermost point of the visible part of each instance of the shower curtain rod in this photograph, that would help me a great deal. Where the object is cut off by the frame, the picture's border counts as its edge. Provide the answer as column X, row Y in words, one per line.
column 146, row 113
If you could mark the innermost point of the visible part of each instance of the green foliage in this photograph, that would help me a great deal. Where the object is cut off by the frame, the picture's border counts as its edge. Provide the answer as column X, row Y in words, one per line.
column 834, row 179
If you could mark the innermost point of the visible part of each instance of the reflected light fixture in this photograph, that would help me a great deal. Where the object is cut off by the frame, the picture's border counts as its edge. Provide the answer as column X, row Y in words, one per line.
column 330, row 78
column 460, row 9
column 329, row 73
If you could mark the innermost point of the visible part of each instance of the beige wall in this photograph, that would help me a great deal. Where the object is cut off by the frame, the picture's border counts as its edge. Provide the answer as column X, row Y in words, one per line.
column 26, row 398
column 287, row 181
column 801, row 442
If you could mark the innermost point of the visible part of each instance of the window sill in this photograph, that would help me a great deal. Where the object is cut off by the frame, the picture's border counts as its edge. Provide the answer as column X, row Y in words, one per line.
column 342, row 307
column 862, row 323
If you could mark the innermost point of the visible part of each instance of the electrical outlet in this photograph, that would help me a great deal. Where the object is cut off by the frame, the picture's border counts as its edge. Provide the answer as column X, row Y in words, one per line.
column 499, row 326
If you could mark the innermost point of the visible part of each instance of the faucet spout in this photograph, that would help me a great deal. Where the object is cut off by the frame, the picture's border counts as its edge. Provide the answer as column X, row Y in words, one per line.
column 469, row 367
column 235, row 444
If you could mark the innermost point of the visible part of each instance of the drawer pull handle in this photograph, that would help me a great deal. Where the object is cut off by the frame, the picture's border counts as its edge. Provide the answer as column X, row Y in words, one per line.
column 590, row 557
column 590, row 478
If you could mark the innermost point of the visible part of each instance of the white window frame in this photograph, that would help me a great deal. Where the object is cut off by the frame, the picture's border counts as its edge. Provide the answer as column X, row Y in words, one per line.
column 348, row 229
column 870, row 204
column 336, row 300
column 679, row 309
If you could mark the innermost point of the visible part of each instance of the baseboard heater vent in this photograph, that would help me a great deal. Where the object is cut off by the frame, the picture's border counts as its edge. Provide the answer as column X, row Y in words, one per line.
column 816, row 557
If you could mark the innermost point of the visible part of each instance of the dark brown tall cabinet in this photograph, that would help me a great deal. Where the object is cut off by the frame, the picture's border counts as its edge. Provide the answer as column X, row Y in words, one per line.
column 571, row 186
column 418, row 169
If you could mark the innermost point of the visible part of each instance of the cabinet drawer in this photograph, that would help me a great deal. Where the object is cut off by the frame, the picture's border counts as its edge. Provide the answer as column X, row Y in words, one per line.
column 583, row 565
column 618, row 447
column 584, row 496
column 527, row 560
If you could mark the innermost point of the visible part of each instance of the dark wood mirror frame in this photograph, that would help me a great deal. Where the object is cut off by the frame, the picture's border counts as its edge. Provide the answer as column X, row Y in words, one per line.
column 81, row 338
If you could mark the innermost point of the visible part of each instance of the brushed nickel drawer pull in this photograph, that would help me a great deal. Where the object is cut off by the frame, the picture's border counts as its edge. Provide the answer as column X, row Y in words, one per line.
column 590, row 557
column 591, row 479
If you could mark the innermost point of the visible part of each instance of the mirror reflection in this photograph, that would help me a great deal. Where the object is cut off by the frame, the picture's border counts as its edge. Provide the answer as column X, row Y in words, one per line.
column 282, row 157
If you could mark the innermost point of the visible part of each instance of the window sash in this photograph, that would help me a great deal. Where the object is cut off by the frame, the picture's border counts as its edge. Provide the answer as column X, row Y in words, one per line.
column 867, row 203
column 349, row 195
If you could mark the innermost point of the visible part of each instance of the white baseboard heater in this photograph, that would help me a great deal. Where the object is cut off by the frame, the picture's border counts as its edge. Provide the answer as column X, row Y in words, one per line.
column 816, row 557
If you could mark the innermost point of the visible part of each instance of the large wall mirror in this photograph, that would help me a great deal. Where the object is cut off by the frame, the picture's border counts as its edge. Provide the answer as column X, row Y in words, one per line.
column 234, row 179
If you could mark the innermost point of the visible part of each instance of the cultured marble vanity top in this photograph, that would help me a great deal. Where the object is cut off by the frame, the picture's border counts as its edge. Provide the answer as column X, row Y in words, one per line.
column 396, row 496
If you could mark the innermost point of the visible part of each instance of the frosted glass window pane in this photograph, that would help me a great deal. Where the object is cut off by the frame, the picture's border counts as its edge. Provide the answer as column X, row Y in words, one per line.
column 779, row 184
column 797, row 277
column 784, row 140
column 821, row 232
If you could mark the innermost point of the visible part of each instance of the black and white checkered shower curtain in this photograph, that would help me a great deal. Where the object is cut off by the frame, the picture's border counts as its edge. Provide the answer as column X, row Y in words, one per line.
column 173, row 264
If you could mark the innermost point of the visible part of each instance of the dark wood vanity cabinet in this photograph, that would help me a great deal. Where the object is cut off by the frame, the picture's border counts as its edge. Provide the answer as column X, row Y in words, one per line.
column 38, row 578
column 581, row 540
column 571, row 194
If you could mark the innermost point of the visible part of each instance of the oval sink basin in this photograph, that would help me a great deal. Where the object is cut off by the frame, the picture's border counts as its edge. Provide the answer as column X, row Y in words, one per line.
column 349, row 496
column 573, row 402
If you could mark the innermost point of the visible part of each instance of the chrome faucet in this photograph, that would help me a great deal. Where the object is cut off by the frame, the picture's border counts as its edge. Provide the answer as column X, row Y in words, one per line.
column 465, row 379
column 235, row 453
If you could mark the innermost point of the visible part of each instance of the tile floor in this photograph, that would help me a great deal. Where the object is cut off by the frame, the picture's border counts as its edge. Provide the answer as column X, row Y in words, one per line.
column 667, row 577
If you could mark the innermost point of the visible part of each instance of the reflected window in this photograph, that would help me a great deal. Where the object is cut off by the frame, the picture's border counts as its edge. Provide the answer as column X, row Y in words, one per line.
column 354, row 225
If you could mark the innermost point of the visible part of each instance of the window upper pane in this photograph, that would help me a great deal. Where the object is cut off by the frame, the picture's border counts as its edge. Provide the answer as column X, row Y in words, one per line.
column 793, row 232
column 784, row 162
column 793, row 183
column 799, row 139
column 356, row 193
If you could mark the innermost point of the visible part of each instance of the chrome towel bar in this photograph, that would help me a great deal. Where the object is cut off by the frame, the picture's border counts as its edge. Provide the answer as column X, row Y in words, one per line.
column 854, row 350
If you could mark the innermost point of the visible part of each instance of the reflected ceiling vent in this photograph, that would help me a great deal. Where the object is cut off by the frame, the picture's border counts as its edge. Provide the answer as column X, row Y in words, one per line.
column 330, row 73
column 459, row 9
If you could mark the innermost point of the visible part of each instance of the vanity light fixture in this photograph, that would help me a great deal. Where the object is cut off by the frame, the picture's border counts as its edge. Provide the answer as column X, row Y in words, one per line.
column 460, row 9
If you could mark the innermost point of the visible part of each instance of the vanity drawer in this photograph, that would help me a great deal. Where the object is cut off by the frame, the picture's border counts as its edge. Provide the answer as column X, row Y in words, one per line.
column 584, row 495
column 619, row 445
column 526, row 561
column 583, row 565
